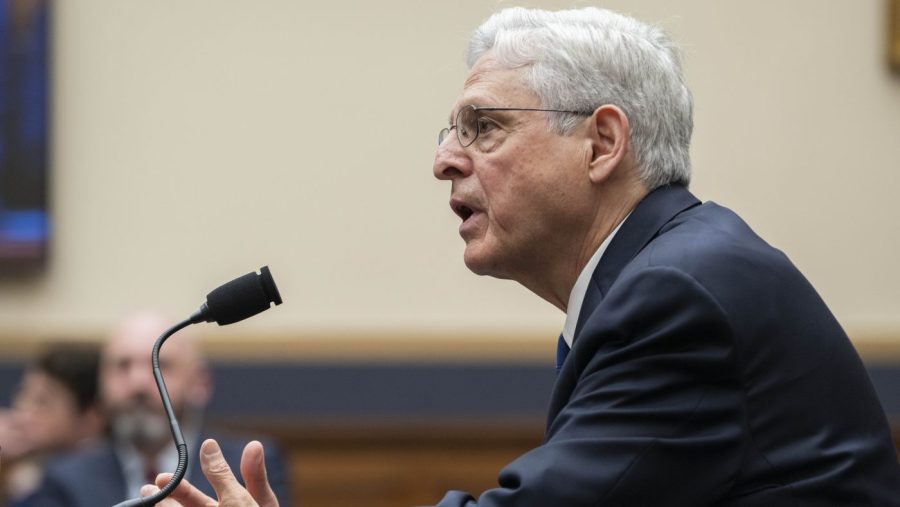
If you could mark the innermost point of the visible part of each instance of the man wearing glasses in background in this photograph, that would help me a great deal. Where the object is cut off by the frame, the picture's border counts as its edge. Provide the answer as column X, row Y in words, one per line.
column 697, row 366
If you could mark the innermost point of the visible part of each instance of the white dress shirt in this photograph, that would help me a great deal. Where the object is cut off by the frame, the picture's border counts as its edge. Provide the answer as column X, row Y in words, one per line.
column 576, row 297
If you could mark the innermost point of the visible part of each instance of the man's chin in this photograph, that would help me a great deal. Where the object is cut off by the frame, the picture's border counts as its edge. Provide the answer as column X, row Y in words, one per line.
column 480, row 262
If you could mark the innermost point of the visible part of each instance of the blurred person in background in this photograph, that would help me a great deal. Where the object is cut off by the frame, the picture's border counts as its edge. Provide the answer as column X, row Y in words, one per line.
column 54, row 411
column 140, row 443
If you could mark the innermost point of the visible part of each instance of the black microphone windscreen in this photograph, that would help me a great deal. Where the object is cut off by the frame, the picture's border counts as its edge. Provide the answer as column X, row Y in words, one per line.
column 242, row 297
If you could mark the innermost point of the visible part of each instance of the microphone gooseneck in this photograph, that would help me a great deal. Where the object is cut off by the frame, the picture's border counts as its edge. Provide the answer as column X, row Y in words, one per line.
column 231, row 302
column 180, row 444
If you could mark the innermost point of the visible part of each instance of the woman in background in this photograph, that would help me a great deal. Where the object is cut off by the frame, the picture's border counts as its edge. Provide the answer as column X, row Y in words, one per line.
column 54, row 411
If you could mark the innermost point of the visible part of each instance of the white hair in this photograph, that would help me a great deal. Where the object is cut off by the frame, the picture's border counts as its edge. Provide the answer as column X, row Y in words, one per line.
column 581, row 59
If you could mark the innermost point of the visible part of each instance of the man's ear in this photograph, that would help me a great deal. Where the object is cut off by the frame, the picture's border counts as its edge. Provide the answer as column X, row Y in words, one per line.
column 610, row 134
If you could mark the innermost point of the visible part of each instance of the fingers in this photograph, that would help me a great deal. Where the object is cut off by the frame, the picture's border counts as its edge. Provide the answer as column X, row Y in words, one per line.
column 150, row 489
column 185, row 494
column 220, row 476
column 253, row 470
column 163, row 479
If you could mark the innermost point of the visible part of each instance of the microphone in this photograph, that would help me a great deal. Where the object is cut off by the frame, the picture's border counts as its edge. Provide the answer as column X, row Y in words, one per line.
column 240, row 298
column 231, row 302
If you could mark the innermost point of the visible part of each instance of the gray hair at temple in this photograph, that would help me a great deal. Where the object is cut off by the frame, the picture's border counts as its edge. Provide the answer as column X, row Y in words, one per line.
column 582, row 59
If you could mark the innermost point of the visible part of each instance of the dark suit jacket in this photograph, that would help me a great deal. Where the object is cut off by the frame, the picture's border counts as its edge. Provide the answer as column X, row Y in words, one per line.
column 94, row 478
column 705, row 370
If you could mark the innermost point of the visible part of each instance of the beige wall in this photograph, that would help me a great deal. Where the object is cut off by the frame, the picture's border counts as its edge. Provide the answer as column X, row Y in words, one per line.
column 197, row 140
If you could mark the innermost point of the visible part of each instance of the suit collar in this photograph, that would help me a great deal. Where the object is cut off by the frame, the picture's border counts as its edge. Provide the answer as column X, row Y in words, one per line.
column 100, row 463
column 650, row 215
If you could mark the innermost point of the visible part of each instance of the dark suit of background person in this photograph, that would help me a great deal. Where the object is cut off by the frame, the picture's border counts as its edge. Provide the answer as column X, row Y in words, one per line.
column 93, row 478
column 705, row 370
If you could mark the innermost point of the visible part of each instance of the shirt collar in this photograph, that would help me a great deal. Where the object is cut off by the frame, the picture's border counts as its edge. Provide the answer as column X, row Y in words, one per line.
column 576, row 297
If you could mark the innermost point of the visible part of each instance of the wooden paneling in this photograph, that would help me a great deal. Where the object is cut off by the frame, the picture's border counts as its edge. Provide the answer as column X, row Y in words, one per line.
column 396, row 464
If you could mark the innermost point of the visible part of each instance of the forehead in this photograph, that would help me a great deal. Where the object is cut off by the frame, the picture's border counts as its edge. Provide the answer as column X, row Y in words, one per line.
column 490, row 84
column 135, row 339
column 38, row 383
column 39, row 380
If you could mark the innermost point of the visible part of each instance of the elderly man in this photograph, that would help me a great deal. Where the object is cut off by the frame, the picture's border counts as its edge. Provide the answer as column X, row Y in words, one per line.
column 697, row 366
column 141, row 445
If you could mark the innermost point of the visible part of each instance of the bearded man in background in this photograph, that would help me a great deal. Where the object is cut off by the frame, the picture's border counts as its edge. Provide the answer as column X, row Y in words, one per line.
column 140, row 443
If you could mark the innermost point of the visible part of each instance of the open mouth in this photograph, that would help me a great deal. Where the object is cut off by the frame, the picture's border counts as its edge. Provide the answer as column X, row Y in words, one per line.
column 463, row 211
column 463, row 208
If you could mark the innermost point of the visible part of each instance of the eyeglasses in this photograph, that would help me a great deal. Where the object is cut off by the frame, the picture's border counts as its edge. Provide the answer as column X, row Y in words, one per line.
column 469, row 124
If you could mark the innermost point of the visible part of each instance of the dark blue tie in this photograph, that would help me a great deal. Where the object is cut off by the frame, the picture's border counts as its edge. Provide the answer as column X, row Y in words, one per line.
column 562, row 350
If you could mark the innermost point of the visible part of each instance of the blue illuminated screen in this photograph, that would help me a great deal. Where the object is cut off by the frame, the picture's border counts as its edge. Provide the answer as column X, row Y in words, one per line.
column 24, row 219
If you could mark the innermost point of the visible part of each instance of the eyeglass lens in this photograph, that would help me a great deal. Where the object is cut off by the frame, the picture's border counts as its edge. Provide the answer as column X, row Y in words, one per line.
column 466, row 127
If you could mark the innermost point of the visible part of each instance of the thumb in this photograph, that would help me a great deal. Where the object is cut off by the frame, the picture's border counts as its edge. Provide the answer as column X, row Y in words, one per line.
column 219, row 474
column 253, row 470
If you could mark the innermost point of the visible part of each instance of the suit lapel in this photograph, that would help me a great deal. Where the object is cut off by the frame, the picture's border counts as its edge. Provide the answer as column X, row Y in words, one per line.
column 109, row 469
column 657, row 209
column 644, row 223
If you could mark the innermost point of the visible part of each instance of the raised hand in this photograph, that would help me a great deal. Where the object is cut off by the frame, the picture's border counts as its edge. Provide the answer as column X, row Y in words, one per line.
column 229, row 491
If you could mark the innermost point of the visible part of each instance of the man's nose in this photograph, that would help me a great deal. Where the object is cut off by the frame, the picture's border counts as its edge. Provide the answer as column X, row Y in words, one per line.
column 451, row 160
column 141, row 379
